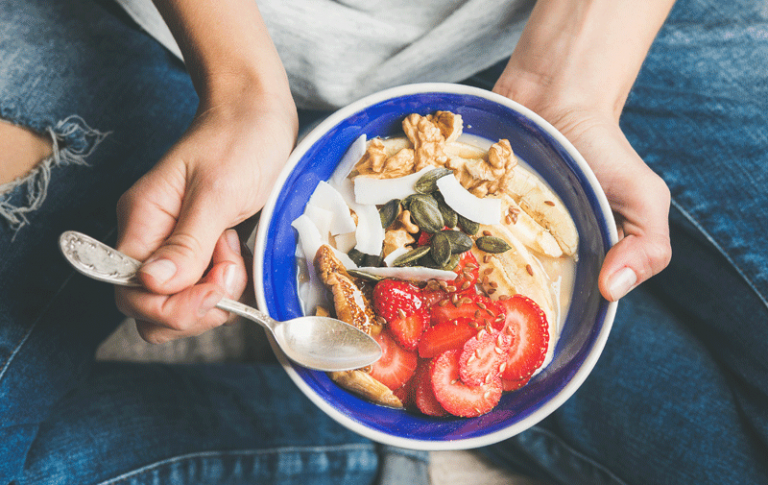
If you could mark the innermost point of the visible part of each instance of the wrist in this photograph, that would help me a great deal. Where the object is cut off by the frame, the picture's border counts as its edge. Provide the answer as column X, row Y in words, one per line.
column 583, row 56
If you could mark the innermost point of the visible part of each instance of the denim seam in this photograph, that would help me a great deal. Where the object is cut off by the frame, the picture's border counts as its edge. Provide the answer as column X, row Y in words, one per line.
column 213, row 454
column 719, row 248
column 576, row 454
column 5, row 365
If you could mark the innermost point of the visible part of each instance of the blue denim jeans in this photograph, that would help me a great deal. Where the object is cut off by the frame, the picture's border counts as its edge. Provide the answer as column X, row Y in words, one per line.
column 113, row 101
column 680, row 394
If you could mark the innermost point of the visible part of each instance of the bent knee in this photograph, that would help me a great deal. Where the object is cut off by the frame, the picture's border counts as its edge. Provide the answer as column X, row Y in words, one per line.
column 21, row 150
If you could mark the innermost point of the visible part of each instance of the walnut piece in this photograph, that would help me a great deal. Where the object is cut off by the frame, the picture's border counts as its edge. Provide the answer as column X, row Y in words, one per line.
column 377, row 162
column 396, row 238
column 427, row 140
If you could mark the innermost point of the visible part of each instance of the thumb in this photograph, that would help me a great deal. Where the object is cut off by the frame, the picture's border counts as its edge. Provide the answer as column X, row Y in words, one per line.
column 183, row 257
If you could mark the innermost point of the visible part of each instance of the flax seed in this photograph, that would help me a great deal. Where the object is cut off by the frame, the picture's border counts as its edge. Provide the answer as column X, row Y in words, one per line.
column 487, row 271
column 486, row 233
column 487, row 258
column 442, row 303
column 492, row 291
column 473, row 266
column 493, row 284
column 482, row 305
column 480, row 334
column 508, row 219
column 450, row 288
column 529, row 269
column 514, row 217
column 549, row 203
column 466, row 300
column 401, row 313
column 465, row 285
column 477, row 313
column 504, row 297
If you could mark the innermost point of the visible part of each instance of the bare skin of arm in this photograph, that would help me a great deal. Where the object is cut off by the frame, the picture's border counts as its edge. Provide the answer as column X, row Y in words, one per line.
column 575, row 65
column 178, row 217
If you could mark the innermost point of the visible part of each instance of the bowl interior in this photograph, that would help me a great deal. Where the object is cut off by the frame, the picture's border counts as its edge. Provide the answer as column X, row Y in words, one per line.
column 585, row 325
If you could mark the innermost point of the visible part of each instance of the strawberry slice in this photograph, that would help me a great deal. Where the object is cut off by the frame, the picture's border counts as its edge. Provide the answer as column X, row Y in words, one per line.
column 447, row 335
column 456, row 397
column 433, row 296
column 480, row 308
column 482, row 357
column 425, row 239
column 393, row 299
column 407, row 331
column 423, row 395
column 508, row 385
column 396, row 364
column 467, row 271
column 406, row 393
column 526, row 322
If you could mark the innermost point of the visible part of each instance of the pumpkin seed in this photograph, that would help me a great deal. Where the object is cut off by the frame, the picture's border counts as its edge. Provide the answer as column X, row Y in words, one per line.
column 427, row 261
column 469, row 227
column 363, row 275
column 388, row 212
column 411, row 257
column 441, row 248
column 427, row 183
column 372, row 260
column 356, row 256
column 426, row 214
column 452, row 263
column 492, row 244
column 450, row 217
column 460, row 242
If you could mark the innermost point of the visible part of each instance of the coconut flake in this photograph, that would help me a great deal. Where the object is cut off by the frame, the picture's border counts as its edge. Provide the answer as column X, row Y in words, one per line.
column 311, row 240
column 411, row 273
column 327, row 197
column 353, row 155
column 370, row 190
column 345, row 242
column 483, row 211
column 321, row 218
column 391, row 257
column 369, row 233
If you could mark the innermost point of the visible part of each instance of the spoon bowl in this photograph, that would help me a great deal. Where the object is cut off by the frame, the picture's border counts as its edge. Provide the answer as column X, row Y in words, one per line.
column 319, row 343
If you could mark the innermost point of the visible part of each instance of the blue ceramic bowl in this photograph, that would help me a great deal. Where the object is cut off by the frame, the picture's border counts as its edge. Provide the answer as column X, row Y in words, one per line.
column 490, row 116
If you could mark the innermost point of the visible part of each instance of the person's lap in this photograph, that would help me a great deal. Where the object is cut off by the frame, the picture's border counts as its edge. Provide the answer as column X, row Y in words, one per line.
column 676, row 397
column 680, row 394
column 114, row 101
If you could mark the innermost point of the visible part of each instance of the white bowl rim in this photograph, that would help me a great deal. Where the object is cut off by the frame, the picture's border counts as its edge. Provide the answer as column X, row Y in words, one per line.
column 549, row 406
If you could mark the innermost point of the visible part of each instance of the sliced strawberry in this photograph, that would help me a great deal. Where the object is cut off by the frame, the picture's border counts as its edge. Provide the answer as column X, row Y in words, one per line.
column 480, row 308
column 482, row 356
column 508, row 385
column 425, row 239
column 432, row 297
column 526, row 322
column 467, row 271
column 424, row 395
column 407, row 331
column 446, row 335
column 456, row 397
column 406, row 393
column 394, row 299
column 396, row 364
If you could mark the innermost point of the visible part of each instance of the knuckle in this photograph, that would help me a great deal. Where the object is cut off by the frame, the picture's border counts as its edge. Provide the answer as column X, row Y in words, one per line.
column 150, row 334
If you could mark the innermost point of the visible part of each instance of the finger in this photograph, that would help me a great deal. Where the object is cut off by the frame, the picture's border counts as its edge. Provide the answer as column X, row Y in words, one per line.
column 189, row 312
column 229, row 270
column 644, row 249
column 182, row 258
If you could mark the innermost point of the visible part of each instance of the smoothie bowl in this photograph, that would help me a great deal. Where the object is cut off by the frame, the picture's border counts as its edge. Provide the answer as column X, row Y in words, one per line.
column 463, row 232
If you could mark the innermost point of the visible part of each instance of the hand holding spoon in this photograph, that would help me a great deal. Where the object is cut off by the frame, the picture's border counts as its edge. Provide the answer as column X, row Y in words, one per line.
column 320, row 343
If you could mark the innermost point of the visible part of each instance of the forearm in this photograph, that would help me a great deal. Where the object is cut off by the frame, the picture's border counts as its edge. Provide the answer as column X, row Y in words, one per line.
column 227, row 48
column 584, row 53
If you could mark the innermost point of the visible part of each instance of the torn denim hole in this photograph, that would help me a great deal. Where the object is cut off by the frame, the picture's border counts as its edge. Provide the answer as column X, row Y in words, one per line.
column 73, row 141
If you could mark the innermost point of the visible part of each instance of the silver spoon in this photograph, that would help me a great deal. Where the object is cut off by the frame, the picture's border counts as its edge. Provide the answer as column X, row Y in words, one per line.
column 320, row 343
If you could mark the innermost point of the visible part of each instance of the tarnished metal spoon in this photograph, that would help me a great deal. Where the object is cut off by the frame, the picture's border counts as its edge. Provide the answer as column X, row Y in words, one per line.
column 320, row 343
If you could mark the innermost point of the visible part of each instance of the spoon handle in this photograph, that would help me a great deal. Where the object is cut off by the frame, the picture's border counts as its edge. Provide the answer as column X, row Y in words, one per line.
column 96, row 260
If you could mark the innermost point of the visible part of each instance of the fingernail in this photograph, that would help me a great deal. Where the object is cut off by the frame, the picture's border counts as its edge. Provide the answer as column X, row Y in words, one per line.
column 209, row 302
column 233, row 240
column 230, row 279
column 621, row 283
column 161, row 270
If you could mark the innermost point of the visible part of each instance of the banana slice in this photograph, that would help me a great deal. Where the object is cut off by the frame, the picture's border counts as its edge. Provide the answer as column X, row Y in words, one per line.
column 514, row 271
column 525, row 228
column 538, row 201
column 353, row 307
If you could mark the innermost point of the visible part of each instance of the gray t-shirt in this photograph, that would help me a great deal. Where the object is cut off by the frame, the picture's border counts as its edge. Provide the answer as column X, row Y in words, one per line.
column 337, row 51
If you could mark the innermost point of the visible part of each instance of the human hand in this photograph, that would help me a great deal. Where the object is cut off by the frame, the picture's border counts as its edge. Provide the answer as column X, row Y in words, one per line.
column 639, row 198
column 176, row 217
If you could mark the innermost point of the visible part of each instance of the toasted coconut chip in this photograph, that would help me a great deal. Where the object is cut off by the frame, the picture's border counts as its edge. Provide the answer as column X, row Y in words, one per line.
column 483, row 211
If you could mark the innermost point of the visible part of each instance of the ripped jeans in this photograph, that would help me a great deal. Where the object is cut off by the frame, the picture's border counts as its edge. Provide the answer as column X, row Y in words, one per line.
column 679, row 396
